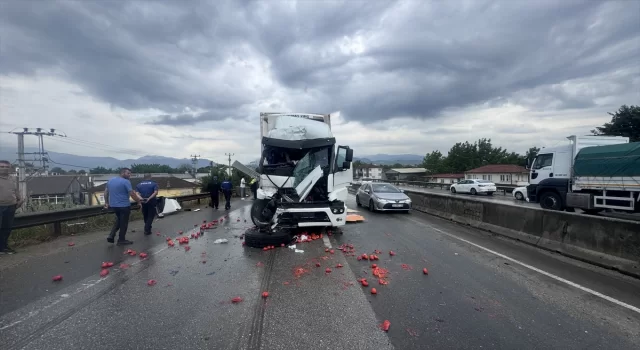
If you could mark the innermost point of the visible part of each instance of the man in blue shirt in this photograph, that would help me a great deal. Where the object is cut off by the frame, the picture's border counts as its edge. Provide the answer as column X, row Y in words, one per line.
column 226, row 188
column 116, row 196
column 148, row 190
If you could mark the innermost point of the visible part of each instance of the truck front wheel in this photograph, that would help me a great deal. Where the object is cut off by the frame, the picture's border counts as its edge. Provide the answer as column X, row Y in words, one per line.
column 551, row 201
column 257, row 213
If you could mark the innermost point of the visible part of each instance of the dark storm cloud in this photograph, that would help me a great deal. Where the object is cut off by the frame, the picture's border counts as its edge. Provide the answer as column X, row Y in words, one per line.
column 419, row 57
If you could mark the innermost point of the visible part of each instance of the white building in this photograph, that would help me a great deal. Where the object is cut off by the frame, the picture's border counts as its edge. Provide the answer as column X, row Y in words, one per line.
column 445, row 178
column 500, row 174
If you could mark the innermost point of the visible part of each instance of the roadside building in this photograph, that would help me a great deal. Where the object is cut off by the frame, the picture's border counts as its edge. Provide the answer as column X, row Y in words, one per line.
column 445, row 178
column 168, row 186
column 58, row 189
column 406, row 174
column 368, row 171
column 500, row 174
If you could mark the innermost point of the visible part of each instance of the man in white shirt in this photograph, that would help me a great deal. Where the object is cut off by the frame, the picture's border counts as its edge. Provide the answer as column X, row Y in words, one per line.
column 243, row 185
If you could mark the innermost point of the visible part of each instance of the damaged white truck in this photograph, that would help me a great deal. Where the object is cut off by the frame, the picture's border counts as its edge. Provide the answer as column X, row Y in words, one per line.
column 303, row 178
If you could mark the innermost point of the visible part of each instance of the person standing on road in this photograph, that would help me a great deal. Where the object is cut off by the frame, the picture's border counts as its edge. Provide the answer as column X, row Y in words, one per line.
column 226, row 188
column 148, row 190
column 243, row 186
column 116, row 197
column 9, row 201
column 214, row 190
column 254, row 188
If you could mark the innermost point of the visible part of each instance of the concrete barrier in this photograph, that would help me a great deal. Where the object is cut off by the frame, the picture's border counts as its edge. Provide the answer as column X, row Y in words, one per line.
column 603, row 241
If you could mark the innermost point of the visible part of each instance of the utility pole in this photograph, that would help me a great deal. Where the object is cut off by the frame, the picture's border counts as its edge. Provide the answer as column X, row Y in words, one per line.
column 229, row 171
column 22, row 171
column 194, row 164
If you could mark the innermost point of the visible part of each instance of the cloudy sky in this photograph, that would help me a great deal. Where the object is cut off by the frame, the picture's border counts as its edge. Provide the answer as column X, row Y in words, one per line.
column 174, row 78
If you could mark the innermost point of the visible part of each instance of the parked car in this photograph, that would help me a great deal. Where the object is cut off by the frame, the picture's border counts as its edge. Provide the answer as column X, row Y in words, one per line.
column 382, row 196
column 520, row 193
column 474, row 186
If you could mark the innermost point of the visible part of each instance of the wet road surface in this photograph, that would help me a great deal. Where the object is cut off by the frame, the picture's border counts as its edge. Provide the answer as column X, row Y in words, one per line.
column 472, row 298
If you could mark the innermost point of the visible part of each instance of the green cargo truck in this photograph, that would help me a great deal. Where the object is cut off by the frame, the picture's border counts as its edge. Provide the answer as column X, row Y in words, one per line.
column 592, row 173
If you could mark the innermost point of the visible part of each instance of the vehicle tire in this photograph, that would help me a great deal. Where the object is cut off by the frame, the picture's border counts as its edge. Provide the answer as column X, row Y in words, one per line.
column 256, row 214
column 255, row 238
column 372, row 207
column 474, row 192
column 489, row 193
column 452, row 189
column 551, row 201
column 519, row 196
column 358, row 201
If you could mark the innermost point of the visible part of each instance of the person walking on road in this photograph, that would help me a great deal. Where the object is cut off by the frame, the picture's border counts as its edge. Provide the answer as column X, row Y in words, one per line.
column 214, row 190
column 243, row 186
column 226, row 188
column 116, row 197
column 148, row 190
column 10, row 200
column 254, row 188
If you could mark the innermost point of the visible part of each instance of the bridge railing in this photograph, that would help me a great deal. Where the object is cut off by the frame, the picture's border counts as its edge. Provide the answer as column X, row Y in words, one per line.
column 57, row 217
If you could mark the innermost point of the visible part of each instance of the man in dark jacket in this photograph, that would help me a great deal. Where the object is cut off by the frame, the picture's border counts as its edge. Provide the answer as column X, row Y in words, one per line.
column 214, row 191
column 226, row 187
column 148, row 190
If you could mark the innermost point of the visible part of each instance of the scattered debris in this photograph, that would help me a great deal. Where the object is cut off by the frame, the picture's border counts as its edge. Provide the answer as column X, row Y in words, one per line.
column 143, row 255
column 107, row 264
column 187, row 248
column 425, row 271
column 265, row 294
column 221, row 240
column 374, row 291
column 328, row 270
column 339, row 266
column 407, row 267
column 236, row 300
column 197, row 209
column 354, row 218
column 299, row 251
column 130, row 252
column 385, row 325
column 392, row 253
column 57, row 278
column 104, row 273
column 151, row 283
column 124, row 266
column 211, row 273
column 71, row 244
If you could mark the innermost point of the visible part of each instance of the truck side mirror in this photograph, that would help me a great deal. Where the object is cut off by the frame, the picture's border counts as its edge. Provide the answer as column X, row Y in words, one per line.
column 349, row 157
column 346, row 165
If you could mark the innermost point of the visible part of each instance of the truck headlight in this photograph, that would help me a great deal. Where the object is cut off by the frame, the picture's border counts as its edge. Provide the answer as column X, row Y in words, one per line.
column 337, row 210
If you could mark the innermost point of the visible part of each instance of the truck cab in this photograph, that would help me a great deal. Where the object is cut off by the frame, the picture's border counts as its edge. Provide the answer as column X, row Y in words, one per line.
column 304, row 174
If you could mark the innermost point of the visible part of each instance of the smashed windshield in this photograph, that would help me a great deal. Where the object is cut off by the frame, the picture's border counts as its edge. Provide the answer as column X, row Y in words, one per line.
column 385, row 188
column 310, row 161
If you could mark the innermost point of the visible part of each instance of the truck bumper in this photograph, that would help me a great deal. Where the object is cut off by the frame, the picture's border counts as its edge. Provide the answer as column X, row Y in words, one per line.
column 311, row 214
column 532, row 193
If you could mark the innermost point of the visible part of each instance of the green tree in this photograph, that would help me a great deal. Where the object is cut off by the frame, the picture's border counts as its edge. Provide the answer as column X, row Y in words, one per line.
column 72, row 172
column 58, row 170
column 101, row 171
column 434, row 162
column 624, row 122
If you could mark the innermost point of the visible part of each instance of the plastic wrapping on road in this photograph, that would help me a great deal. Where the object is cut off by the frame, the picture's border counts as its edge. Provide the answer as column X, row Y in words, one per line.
column 221, row 240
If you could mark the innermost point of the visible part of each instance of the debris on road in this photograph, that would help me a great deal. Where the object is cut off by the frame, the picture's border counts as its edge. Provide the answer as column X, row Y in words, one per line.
column 187, row 248
column 143, row 255
column 104, row 273
column 107, row 264
column 354, row 218
column 339, row 266
column 151, row 283
column 221, row 240
column 170, row 242
column 328, row 270
column 71, row 244
column 130, row 252
column 374, row 291
column 57, row 278
column 124, row 266
column 236, row 300
column 407, row 267
column 392, row 253
column 385, row 325
column 265, row 294
column 425, row 271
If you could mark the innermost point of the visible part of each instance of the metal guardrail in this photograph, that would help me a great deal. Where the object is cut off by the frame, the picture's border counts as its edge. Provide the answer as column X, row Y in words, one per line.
column 501, row 188
column 57, row 217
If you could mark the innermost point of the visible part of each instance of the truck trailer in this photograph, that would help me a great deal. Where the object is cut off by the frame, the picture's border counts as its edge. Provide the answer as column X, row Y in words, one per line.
column 592, row 173
column 303, row 177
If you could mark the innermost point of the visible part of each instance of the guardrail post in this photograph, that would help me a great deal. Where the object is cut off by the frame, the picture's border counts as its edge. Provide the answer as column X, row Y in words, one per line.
column 57, row 228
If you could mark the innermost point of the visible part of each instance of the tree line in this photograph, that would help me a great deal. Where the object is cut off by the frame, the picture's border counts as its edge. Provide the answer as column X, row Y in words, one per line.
column 139, row 169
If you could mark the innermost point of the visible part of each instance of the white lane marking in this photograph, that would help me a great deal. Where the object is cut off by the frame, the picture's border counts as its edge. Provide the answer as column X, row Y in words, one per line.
column 557, row 278
column 326, row 241
column 84, row 287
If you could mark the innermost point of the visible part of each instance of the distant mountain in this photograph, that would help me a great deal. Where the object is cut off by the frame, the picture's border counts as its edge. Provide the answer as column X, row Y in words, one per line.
column 72, row 161
column 390, row 159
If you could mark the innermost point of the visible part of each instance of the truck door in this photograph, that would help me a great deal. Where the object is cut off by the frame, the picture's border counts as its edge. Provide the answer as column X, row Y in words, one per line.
column 342, row 176
column 542, row 168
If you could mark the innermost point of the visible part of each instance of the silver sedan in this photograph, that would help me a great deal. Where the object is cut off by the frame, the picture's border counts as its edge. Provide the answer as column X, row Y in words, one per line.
column 383, row 197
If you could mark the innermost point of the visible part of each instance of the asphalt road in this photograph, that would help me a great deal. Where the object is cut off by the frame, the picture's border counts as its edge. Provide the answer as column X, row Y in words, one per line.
column 481, row 292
